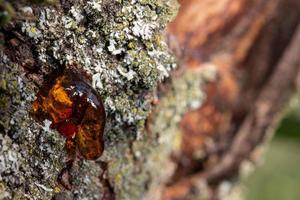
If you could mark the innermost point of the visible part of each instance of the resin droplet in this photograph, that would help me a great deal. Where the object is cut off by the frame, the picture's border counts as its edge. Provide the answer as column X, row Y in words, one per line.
column 76, row 112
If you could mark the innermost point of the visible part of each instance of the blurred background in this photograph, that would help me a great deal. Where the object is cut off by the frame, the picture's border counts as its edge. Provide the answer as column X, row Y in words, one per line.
column 279, row 176
column 254, row 48
column 243, row 56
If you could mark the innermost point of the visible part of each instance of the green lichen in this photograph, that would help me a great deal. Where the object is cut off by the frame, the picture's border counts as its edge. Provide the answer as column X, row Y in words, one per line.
column 120, row 44
column 117, row 42
column 137, row 171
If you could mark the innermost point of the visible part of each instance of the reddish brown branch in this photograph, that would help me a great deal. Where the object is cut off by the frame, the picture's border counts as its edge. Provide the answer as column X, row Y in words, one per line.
column 253, row 130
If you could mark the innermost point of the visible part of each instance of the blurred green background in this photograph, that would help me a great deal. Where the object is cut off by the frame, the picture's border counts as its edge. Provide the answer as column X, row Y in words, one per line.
column 279, row 177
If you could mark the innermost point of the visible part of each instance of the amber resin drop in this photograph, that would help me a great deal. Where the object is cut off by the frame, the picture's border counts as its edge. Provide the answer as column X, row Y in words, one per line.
column 76, row 112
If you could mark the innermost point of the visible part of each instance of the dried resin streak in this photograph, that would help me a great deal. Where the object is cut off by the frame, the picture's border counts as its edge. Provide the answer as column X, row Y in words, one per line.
column 76, row 112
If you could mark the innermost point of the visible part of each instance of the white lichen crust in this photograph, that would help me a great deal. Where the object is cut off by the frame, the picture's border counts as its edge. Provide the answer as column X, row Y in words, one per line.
column 120, row 45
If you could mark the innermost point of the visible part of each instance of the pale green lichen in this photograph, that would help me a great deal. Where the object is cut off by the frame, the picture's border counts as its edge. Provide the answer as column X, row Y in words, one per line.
column 120, row 44
column 138, row 169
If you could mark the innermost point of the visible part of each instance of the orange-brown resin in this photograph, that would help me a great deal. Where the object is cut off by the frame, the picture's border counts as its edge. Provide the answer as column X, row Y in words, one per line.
column 76, row 112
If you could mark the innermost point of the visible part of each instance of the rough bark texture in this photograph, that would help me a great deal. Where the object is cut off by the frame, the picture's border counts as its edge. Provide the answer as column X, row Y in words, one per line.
column 120, row 46
column 185, row 131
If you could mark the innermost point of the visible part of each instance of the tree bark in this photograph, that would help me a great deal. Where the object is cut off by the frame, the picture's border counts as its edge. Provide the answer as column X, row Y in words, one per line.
column 180, row 125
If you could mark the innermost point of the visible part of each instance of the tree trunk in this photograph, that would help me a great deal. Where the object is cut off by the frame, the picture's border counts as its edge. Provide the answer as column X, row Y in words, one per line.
column 173, row 131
